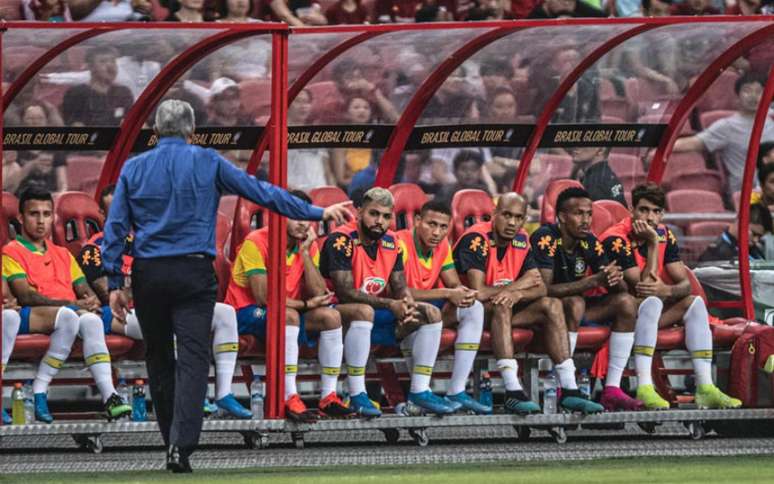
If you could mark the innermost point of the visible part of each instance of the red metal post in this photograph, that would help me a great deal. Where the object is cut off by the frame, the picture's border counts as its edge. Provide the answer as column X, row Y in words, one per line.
column 142, row 108
column 275, row 329
column 385, row 173
column 2, row 105
column 18, row 84
column 744, row 203
column 556, row 99
column 697, row 89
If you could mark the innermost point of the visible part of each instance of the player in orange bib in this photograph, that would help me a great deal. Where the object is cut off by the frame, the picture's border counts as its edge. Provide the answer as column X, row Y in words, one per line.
column 225, row 339
column 55, row 299
column 307, row 310
column 430, row 274
column 495, row 259
column 647, row 252
column 364, row 264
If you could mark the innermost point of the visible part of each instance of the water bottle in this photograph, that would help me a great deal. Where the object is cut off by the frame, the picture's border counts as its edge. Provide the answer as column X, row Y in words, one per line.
column 485, row 390
column 256, row 398
column 123, row 390
column 549, row 393
column 408, row 409
column 139, row 405
column 29, row 402
column 584, row 384
column 17, row 405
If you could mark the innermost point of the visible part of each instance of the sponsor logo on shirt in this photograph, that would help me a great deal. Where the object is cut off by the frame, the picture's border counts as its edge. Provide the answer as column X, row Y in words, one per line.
column 373, row 285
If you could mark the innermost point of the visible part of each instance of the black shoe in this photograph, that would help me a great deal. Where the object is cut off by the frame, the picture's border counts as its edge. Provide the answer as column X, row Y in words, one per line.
column 177, row 461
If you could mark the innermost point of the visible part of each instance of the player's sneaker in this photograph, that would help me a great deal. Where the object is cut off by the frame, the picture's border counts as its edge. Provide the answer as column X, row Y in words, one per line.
column 116, row 407
column 468, row 402
column 649, row 397
column 574, row 401
column 231, row 406
column 430, row 402
column 209, row 407
column 710, row 396
column 6, row 418
column 332, row 406
column 296, row 410
column 519, row 403
column 614, row 399
column 363, row 406
column 41, row 408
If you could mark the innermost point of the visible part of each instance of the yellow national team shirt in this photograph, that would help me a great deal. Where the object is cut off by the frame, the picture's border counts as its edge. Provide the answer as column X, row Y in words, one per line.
column 51, row 272
column 422, row 271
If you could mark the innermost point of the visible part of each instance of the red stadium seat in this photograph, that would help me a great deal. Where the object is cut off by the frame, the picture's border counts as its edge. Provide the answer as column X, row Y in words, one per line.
column 11, row 10
column 469, row 207
column 709, row 118
column 617, row 211
column 83, row 172
column 227, row 205
column 327, row 196
column 409, row 199
column 709, row 180
column 521, row 338
column 687, row 201
column 600, row 219
column 706, row 228
column 557, row 166
column 222, row 264
column 661, row 118
column 10, row 211
column 32, row 347
column 255, row 97
column 628, row 168
column 249, row 217
column 592, row 338
column 326, row 98
column 738, row 197
column 547, row 210
column 76, row 218
column 720, row 95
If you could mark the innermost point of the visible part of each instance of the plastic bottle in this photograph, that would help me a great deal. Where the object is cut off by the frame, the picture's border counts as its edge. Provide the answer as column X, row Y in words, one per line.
column 256, row 398
column 584, row 384
column 549, row 393
column 139, row 405
column 29, row 402
column 123, row 390
column 17, row 405
column 485, row 390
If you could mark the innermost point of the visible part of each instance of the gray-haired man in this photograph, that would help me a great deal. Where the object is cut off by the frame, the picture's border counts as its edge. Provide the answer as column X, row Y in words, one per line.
column 169, row 198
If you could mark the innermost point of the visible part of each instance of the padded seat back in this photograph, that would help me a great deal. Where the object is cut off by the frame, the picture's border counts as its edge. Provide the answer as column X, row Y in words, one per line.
column 548, row 210
column 469, row 207
column 76, row 218
column 409, row 199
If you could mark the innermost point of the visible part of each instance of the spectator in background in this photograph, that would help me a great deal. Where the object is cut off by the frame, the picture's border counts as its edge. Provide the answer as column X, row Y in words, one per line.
column 46, row 10
column 765, row 154
column 349, row 161
column 43, row 170
column 656, row 8
column 726, row 247
column 468, row 173
column 224, row 107
column 118, row 11
column 351, row 82
column 346, row 12
column 590, row 167
column 729, row 137
column 766, row 179
column 298, row 13
column 236, row 11
column 495, row 73
column 431, row 13
column 307, row 168
column 505, row 160
column 581, row 103
column 101, row 102
column 745, row 7
column 564, row 8
column 694, row 7
column 189, row 11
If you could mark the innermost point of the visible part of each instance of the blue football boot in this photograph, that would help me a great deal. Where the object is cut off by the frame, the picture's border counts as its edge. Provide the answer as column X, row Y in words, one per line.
column 6, row 418
column 575, row 401
column 519, row 403
column 361, row 404
column 430, row 402
column 41, row 408
column 230, row 405
column 469, row 403
column 209, row 407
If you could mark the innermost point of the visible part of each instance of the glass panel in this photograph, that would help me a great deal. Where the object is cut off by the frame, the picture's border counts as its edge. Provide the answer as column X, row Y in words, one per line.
column 303, row 50
column 22, row 46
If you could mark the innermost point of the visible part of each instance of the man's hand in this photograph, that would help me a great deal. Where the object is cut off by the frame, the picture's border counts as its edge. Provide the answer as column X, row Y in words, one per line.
column 643, row 231
column 507, row 298
column 89, row 303
column 462, row 297
column 319, row 301
column 10, row 303
column 338, row 213
column 311, row 236
column 530, row 279
column 404, row 310
column 610, row 275
column 653, row 288
column 119, row 305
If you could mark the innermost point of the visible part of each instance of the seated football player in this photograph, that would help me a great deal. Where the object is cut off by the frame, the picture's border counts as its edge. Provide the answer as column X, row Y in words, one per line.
column 55, row 299
column 11, row 320
column 574, row 267
column 647, row 252
column 307, row 310
column 363, row 261
column 225, row 340
column 495, row 259
column 430, row 274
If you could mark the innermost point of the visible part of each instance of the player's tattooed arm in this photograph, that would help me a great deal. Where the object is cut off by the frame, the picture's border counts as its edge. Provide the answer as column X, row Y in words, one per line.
column 344, row 286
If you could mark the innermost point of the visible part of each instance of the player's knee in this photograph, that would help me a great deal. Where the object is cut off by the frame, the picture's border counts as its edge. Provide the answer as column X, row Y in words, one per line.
column 292, row 318
column 90, row 326
column 224, row 313
column 330, row 319
column 363, row 312
column 432, row 313
column 625, row 309
column 574, row 307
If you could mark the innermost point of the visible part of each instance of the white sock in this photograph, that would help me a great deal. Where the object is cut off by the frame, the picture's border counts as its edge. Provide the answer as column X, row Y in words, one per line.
column 291, row 360
column 509, row 371
column 132, row 328
column 330, row 355
column 645, row 336
column 11, row 323
column 424, row 352
column 357, row 346
column 566, row 372
column 698, row 340
column 573, row 336
column 405, row 348
column 620, row 349
column 225, row 347
column 95, row 353
column 466, row 345
column 60, row 343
